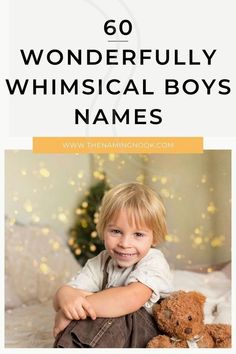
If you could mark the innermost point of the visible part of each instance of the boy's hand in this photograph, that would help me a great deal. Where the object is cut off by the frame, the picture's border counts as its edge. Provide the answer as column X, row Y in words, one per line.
column 78, row 308
column 74, row 304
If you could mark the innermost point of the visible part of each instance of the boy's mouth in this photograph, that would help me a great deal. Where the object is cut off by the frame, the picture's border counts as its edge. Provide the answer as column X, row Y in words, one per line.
column 124, row 254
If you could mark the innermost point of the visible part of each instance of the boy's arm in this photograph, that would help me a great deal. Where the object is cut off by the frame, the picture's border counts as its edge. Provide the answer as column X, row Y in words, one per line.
column 115, row 302
column 112, row 302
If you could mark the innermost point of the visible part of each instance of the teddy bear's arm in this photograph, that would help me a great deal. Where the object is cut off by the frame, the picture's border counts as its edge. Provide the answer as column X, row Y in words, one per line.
column 160, row 341
column 221, row 334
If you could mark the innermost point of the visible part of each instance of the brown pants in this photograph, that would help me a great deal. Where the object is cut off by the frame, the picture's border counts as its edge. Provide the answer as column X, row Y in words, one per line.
column 130, row 331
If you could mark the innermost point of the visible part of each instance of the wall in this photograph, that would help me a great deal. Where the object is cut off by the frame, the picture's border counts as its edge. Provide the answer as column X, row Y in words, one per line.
column 196, row 189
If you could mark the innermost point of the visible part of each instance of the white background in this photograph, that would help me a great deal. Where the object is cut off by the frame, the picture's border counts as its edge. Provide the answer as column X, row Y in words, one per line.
column 77, row 24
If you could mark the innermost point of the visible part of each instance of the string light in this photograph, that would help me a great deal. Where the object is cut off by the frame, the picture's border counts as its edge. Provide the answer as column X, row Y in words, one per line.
column 80, row 174
column 44, row 268
column 78, row 251
column 112, row 157
column 211, row 208
column 28, row 206
column 172, row 238
column 45, row 230
column 35, row 218
column 94, row 234
column 79, row 211
column 204, row 179
column 140, row 178
column 92, row 248
column 44, row 172
column 71, row 182
column 218, row 241
column 165, row 193
column 23, row 172
column 163, row 180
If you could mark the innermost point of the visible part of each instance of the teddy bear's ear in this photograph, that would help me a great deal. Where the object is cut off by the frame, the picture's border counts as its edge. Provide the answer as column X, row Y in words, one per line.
column 198, row 296
column 177, row 293
column 167, row 313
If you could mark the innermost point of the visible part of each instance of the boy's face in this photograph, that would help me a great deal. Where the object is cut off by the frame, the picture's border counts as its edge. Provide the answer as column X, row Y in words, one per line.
column 125, row 242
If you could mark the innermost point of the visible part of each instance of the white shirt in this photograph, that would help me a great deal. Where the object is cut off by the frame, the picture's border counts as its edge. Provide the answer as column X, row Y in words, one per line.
column 152, row 271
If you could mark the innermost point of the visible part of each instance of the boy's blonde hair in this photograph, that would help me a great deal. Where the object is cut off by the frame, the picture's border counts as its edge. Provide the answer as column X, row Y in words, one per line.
column 144, row 208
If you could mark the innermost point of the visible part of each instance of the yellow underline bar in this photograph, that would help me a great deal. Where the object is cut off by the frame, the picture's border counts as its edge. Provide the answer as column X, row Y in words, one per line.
column 122, row 145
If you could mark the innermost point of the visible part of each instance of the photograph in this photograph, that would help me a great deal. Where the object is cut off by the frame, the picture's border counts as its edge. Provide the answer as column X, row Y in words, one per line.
column 96, row 245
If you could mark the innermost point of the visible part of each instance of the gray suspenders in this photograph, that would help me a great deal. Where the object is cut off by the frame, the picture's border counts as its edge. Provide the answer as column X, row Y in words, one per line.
column 105, row 272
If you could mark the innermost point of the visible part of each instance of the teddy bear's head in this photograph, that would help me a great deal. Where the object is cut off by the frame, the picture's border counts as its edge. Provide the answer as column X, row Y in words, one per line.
column 181, row 315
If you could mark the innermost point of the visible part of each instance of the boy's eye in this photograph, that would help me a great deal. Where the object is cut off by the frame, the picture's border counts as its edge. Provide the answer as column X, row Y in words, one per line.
column 139, row 234
column 115, row 231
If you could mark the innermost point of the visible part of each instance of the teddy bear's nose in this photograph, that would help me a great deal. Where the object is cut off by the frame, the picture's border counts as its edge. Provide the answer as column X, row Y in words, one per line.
column 188, row 330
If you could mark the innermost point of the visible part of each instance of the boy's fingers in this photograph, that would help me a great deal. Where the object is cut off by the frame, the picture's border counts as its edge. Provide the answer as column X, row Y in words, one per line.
column 75, row 314
column 81, row 313
column 68, row 314
column 90, row 310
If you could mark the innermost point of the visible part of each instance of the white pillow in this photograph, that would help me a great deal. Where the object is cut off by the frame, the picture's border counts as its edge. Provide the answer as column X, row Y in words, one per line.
column 37, row 262
column 223, row 309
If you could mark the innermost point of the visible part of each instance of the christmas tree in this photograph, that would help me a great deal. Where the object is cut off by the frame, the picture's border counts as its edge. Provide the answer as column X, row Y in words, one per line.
column 84, row 241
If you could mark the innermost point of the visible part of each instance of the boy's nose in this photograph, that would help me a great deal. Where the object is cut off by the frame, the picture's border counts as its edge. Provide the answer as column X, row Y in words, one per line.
column 124, row 241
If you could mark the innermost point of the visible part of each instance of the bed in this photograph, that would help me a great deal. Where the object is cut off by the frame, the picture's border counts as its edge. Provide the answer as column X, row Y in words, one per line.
column 37, row 262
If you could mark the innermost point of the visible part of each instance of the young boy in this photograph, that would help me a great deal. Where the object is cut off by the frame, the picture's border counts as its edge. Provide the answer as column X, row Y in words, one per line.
column 109, row 303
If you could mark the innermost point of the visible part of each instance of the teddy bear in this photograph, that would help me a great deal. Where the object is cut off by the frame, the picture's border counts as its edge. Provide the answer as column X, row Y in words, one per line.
column 180, row 317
